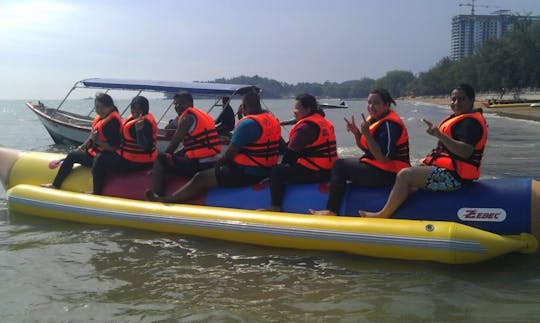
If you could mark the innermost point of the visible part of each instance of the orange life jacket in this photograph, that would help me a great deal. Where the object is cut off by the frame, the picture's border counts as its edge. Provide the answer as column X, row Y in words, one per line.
column 130, row 149
column 264, row 152
column 466, row 169
column 204, row 140
column 322, row 153
column 401, row 159
column 97, row 125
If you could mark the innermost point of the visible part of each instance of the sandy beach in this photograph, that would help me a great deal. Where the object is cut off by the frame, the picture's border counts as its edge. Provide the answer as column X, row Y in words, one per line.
column 517, row 113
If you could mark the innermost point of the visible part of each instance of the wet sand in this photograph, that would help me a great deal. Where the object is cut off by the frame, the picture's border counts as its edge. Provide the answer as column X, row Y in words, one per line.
column 516, row 113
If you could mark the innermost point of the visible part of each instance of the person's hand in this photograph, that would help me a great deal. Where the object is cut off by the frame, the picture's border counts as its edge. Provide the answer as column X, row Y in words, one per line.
column 364, row 126
column 432, row 130
column 351, row 126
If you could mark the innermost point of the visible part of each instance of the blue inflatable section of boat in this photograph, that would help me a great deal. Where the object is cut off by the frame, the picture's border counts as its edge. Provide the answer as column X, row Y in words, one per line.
column 502, row 206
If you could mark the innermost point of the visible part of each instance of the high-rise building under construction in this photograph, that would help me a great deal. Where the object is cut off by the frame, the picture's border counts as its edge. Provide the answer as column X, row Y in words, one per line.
column 469, row 32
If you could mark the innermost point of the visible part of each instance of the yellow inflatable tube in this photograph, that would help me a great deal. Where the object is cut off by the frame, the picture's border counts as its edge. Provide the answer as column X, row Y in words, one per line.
column 444, row 242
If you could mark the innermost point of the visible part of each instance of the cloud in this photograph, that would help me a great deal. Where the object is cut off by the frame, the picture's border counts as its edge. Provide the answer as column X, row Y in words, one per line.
column 27, row 24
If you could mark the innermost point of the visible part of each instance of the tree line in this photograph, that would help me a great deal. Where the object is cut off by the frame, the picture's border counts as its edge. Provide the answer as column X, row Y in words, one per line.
column 508, row 64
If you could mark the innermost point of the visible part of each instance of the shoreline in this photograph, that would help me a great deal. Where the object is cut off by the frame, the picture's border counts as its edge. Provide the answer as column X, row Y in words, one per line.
column 524, row 113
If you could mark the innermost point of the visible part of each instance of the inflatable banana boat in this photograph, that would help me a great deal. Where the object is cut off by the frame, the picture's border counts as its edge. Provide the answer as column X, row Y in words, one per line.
column 484, row 220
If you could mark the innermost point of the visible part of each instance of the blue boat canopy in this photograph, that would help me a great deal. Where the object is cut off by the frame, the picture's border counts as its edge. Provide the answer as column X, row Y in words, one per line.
column 169, row 86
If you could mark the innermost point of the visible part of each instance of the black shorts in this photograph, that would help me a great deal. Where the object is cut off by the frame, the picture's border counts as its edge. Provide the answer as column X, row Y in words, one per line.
column 181, row 165
column 234, row 176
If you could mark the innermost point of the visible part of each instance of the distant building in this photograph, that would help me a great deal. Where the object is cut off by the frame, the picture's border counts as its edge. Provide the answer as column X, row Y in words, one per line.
column 469, row 32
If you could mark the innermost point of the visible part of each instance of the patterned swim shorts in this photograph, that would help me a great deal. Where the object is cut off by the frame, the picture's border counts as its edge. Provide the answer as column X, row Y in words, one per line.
column 442, row 180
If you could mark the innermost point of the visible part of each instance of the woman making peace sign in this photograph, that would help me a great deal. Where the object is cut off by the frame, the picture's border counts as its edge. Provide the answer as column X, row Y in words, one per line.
column 383, row 138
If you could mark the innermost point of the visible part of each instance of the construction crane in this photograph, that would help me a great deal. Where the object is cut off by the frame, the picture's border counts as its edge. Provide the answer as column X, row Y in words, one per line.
column 472, row 5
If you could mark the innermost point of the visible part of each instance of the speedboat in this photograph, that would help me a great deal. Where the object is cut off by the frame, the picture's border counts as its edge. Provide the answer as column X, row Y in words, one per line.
column 341, row 105
column 484, row 220
column 64, row 125
column 323, row 106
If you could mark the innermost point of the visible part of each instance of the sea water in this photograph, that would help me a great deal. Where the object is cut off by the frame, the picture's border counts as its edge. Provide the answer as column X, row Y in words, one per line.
column 62, row 271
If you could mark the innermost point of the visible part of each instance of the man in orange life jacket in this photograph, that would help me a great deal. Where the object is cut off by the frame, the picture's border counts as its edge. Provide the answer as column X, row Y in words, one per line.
column 137, row 150
column 254, row 149
column 201, row 144
column 383, row 138
column 310, row 153
column 456, row 159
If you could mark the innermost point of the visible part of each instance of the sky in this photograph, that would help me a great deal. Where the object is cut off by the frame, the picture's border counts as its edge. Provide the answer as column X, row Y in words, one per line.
column 46, row 46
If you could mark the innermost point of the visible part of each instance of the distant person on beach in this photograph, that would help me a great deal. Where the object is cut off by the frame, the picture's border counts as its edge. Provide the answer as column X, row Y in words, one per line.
column 384, row 139
column 254, row 149
column 455, row 161
column 502, row 92
column 225, row 120
column 201, row 145
column 310, row 152
column 137, row 150
column 105, row 136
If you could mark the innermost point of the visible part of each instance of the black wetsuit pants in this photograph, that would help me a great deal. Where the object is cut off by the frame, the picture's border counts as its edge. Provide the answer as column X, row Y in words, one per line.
column 358, row 173
column 297, row 174
column 111, row 162
column 76, row 156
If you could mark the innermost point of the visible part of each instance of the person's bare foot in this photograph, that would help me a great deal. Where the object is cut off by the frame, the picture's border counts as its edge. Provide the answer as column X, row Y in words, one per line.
column 366, row 214
column 151, row 196
column 48, row 185
column 321, row 212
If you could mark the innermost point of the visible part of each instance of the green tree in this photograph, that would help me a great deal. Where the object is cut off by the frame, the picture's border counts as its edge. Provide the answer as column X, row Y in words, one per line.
column 359, row 88
column 435, row 81
column 396, row 82
column 512, row 61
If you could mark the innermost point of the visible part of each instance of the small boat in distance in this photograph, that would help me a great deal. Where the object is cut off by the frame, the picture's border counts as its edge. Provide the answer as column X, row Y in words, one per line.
column 323, row 106
column 67, row 126
column 341, row 105
column 510, row 103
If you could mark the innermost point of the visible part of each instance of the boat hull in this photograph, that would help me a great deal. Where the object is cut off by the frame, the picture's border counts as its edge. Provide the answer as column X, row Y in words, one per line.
column 502, row 206
column 333, row 106
column 510, row 105
column 61, row 132
column 444, row 242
